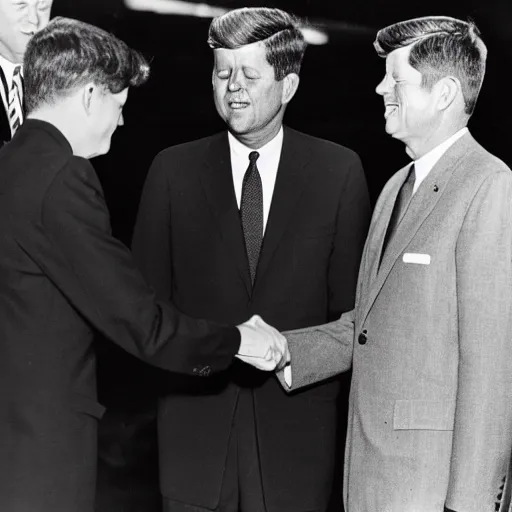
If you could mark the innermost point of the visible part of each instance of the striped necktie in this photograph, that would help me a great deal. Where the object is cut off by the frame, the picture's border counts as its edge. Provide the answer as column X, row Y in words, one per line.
column 16, row 101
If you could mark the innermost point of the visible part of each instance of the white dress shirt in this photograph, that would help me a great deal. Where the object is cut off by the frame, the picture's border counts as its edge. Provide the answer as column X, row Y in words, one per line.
column 267, row 164
column 424, row 165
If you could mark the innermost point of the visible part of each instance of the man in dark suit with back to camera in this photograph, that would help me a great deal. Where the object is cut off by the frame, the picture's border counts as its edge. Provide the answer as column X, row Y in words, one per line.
column 19, row 20
column 63, row 276
column 258, row 218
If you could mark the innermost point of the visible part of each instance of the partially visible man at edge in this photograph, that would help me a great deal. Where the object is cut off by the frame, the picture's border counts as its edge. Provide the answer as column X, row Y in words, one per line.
column 63, row 276
column 430, row 338
column 19, row 21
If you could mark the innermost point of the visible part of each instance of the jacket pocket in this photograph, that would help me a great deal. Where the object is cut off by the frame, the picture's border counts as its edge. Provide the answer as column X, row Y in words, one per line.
column 424, row 414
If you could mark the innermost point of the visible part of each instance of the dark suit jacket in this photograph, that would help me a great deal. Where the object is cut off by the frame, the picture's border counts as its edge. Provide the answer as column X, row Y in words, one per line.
column 189, row 243
column 5, row 129
column 62, row 275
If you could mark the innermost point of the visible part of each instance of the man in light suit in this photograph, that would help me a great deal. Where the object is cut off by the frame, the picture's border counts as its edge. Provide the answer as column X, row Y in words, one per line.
column 19, row 20
column 429, row 340
column 246, row 445
column 63, row 276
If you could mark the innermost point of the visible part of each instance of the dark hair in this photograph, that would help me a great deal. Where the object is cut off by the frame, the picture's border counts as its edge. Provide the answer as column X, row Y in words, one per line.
column 68, row 53
column 441, row 46
column 278, row 30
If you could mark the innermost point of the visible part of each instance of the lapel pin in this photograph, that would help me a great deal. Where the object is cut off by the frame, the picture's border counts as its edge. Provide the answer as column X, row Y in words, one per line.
column 436, row 188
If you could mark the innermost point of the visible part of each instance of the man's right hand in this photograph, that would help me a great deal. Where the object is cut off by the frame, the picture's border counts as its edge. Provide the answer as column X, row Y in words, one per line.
column 262, row 346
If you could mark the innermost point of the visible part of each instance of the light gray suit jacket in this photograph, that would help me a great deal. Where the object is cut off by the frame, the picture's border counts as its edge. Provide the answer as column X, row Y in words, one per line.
column 429, row 343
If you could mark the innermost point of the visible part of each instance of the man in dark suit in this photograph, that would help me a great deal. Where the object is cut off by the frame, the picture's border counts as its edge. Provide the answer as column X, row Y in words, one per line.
column 63, row 275
column 18, row 22
column 259, row 218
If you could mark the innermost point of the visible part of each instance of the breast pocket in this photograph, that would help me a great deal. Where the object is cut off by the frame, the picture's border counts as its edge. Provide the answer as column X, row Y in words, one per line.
column 320, row 231
column 311, row 250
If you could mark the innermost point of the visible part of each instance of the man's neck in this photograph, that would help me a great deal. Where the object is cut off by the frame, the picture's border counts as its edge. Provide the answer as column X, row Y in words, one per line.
column 9, row 56
column 418, row 148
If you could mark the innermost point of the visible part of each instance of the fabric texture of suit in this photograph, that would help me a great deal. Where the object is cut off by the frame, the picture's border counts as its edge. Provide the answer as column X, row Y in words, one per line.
column 5, row 129
column 189, row 242
column 429, row 342
column 63, row 276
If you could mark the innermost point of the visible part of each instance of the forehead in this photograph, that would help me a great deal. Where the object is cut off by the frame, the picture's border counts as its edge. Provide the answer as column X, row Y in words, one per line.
column 397, row 65
column 251, row 55
column 16, row 3
column 399, row 59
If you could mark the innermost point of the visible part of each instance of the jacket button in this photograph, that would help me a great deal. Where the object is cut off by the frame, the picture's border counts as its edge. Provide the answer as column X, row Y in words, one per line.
column 363, row 337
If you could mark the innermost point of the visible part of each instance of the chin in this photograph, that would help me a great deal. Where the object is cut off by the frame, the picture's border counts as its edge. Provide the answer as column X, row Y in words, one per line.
column 237, row 128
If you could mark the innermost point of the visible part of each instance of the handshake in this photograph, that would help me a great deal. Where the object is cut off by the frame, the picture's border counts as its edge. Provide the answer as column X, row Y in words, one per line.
column 262, row 346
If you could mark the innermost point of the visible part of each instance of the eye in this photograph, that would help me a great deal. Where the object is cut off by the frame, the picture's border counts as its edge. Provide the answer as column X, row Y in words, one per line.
column 251, row 75
column 223, row 74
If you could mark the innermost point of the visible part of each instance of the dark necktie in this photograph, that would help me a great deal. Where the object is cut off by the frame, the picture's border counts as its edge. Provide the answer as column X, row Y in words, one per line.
column 251, row 212
column 402, row 202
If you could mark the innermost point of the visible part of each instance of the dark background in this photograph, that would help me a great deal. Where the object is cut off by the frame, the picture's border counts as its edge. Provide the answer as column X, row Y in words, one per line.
column 335, row 101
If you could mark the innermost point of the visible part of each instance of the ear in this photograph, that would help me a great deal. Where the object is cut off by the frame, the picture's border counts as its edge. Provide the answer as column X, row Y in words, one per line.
column 448, row 89
column 290, row 86
column 88, row 95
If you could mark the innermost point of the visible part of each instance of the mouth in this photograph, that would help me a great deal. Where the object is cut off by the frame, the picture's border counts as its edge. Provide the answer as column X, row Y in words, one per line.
column 391, row 109
column 238, row 105
column 28, row 33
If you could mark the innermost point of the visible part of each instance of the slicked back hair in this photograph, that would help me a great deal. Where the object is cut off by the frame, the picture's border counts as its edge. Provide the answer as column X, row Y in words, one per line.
column 440, row 46
column 278, row 30
column 68, row 53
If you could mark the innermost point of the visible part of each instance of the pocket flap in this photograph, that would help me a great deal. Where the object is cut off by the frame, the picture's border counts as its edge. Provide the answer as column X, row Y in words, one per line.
column 87, row 405
column 424, row 414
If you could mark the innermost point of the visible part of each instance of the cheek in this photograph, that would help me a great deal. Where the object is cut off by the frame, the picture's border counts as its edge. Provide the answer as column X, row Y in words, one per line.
column 44, row 18
column 219, row 90
column 267, row 98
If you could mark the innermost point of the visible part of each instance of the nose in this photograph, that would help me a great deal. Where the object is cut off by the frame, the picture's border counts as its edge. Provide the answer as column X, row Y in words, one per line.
column 383, row 86
column 33, row 15
column 120, row 122
column 235, row 81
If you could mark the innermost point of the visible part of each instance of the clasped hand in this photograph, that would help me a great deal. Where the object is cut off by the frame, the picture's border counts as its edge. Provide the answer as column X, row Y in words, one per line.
column 262, row 346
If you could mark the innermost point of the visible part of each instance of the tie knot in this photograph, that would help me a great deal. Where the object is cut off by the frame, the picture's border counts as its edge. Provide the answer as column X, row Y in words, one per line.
column 253, row 156
column 17, row 71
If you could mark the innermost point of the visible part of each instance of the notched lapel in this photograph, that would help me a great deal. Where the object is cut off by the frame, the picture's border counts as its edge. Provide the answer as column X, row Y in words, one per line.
column 420, row 207
column 217, row 182
column 289, row 186
column 379, row 227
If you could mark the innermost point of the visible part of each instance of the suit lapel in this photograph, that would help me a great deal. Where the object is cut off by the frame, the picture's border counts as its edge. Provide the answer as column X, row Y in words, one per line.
column 378, row 227
column 420, row 207
column 217, row 182
column 288, row 189
column 5, row 128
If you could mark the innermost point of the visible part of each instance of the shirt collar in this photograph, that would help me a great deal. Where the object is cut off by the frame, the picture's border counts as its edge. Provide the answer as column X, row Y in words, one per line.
column 270, row 148
column 8, row 68
column 423, row 165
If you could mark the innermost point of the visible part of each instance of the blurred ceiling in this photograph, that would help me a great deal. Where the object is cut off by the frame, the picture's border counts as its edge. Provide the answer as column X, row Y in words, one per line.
column 494, row 17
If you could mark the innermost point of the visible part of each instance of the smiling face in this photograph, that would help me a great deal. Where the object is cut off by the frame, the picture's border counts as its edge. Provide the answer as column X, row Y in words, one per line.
column 19, row 21
column 247, row 96
column 410, row 109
